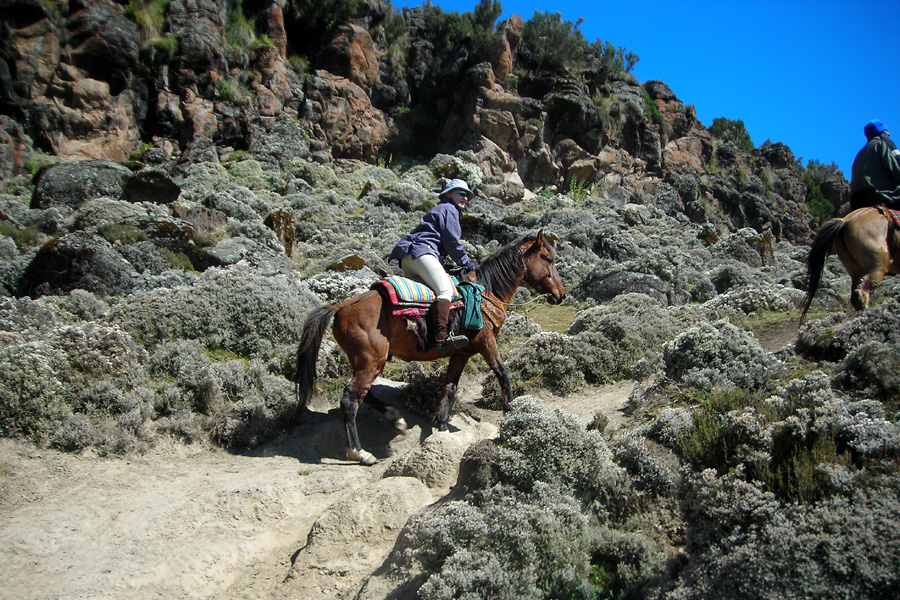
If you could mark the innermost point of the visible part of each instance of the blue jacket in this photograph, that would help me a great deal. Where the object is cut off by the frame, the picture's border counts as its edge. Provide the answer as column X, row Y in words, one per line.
column 438, row 234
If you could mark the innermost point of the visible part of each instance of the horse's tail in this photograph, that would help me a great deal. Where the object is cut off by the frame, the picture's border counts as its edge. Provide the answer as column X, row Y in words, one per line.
column 308, row 352
column 815, row 260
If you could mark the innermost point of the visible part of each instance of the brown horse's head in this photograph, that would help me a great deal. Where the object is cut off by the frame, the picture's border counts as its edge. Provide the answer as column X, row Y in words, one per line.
column 540, row 268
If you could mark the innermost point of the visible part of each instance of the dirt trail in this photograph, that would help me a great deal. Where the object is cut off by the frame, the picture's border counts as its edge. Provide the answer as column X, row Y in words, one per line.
column 292, row 519
column 199, row 522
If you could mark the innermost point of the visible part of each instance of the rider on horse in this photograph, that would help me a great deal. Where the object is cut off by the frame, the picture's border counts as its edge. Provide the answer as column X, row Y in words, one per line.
column 875, row 176
column 421, row 250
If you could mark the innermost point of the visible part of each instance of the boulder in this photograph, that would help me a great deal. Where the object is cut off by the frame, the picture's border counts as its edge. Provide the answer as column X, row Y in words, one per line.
column 198, row 27
column 15, row 147
column 150, row 185
column 231, row 251
column 603, row 287
column 30, row 45
column 77, row 261
column 69, row 185
column 104, row 44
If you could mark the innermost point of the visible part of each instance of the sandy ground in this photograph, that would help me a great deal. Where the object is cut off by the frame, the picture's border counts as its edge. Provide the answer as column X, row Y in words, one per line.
column 292, row 519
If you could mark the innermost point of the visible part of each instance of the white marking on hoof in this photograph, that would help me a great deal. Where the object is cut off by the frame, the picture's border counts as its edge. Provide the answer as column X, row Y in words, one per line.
column 364, row 457
column 393, row 415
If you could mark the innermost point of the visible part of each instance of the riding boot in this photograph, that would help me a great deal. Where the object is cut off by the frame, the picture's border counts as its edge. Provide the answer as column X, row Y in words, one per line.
column 444, row 342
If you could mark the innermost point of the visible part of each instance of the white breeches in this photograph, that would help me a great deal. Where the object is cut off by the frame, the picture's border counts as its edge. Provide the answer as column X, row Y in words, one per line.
column 429, row 269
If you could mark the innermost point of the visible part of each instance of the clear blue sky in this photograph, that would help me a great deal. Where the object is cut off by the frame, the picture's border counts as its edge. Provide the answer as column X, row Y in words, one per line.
column 806, row 73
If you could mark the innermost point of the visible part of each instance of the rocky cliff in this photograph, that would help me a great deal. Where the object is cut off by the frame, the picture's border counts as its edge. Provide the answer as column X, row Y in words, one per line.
column 187, row 81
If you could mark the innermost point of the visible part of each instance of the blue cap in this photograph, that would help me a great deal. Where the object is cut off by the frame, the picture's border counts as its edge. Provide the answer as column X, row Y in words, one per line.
column 873, row 128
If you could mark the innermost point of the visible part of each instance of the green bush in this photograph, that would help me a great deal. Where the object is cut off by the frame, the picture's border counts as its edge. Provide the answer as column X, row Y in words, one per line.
column 527, row 525
column 814, row 175
column 148, row 15
column 842, row 547
column 734, row 131
column 710, row 355
column 166, row 46
column 614, row 59
column 38, row 161
column 505, row 544
column 240, row 32
column 25, row 238
column 551, row 43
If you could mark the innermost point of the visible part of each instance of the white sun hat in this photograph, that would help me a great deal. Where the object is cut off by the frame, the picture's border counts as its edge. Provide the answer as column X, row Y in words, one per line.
column 455, row 184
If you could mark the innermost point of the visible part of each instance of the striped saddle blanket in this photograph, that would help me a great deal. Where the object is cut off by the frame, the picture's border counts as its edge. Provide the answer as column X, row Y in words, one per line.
column 410, row 298
column 892, row 214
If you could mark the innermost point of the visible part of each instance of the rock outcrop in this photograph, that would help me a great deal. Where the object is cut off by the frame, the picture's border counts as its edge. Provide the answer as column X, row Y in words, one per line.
column 93, row 80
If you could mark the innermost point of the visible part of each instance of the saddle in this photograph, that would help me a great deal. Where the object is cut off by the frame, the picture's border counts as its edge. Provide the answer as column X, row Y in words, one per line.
column 411, row 298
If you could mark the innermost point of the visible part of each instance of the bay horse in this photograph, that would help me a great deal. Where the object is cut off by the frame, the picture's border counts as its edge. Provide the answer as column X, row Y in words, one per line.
column 864, row 243
column 370, row 335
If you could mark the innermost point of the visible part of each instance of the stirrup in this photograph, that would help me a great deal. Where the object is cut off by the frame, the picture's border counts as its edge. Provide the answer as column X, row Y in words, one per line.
column 451, row 343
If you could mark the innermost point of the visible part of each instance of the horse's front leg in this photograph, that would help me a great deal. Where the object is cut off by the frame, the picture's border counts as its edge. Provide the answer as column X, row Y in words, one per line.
column 492, row 355
column 350, row 402
column 451, row 383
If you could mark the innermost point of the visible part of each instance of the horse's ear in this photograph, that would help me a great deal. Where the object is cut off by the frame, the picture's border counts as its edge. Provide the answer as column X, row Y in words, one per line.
column 543, row 241
column 537, row 244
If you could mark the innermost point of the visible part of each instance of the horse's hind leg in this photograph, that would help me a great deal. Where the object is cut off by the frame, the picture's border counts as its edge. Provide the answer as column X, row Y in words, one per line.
column 354, row 394
column 858, row 299
column 349, row 409
column 863, row 294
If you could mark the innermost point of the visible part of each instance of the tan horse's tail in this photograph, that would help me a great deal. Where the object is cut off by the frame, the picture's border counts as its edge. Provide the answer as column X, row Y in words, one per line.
column 314, row 328
column 815, row 261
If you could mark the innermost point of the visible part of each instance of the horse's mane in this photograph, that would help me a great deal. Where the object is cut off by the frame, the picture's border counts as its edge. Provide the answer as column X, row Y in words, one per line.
column 499, row 273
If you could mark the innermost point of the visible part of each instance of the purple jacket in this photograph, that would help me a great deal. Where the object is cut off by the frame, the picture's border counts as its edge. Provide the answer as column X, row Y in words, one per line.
column 438, row 234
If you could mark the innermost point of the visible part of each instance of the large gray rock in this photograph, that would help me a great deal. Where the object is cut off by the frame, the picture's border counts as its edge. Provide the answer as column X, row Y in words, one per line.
column 69, row 185
column 150, row 185
column 231, row 251
column 77, row 261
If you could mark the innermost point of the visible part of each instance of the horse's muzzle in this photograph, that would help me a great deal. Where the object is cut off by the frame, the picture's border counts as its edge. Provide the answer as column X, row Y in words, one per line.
column 552, row 299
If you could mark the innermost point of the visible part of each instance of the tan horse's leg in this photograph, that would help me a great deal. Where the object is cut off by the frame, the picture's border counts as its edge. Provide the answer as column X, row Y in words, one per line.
column 859, row 299
column 869, row 283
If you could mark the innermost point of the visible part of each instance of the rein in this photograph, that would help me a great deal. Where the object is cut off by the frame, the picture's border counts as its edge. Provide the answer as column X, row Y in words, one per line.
column 502, row 304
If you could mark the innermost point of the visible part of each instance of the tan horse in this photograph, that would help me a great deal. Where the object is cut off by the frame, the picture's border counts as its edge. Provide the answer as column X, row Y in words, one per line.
column 367, row 331
column 863, row 242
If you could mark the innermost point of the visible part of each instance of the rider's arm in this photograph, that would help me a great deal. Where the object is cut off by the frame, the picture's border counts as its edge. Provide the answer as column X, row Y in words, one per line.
column 890, row 159
column 451, row 232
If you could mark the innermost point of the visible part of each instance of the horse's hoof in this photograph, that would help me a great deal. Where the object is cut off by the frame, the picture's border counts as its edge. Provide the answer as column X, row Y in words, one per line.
column 365, row 458
column 393, row 415
column 443, row 427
